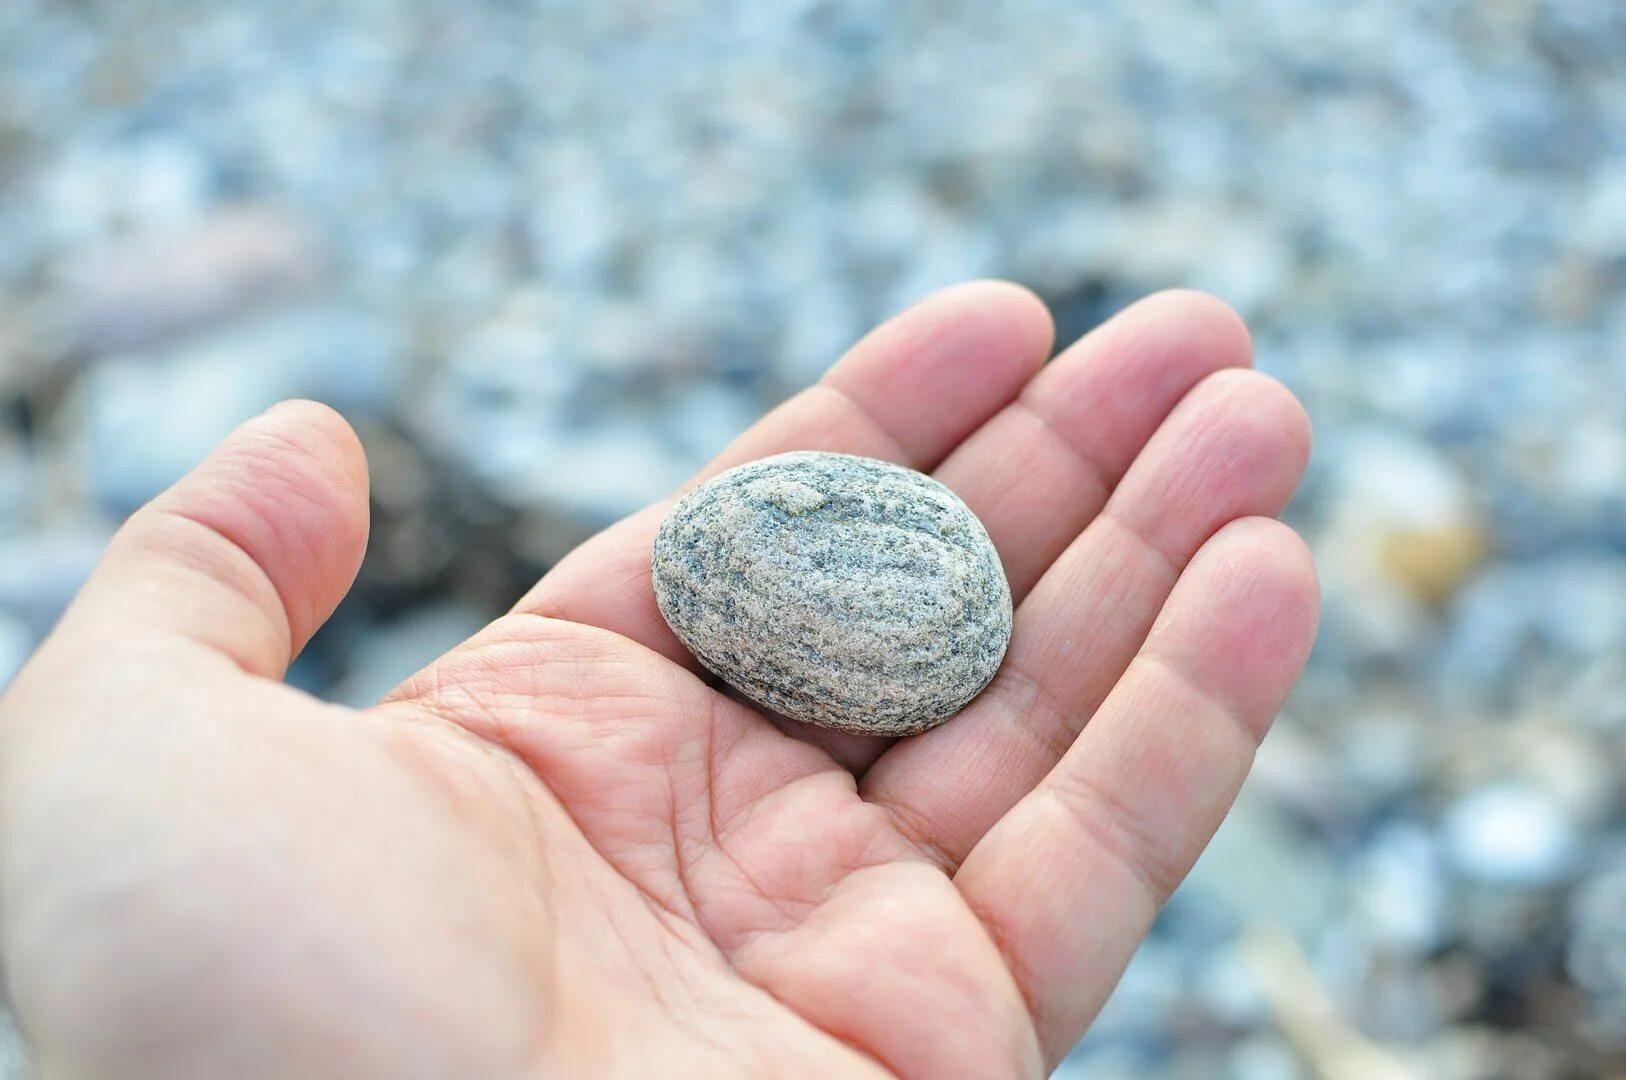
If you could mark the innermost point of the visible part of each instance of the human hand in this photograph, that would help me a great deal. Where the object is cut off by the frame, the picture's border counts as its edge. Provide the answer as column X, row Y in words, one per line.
column 559, row 851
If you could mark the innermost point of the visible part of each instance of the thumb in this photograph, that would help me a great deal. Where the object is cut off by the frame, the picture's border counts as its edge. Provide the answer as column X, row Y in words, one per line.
column 248, row 554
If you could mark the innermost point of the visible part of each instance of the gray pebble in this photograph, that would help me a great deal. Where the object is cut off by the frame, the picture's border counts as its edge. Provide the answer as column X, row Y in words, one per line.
column 843, row 591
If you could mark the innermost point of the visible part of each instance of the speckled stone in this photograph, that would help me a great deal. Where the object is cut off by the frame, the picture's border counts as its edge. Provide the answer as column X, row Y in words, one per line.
column 843, row 591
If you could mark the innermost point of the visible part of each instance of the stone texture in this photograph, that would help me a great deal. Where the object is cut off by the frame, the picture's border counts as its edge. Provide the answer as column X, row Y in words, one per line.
column 843, row 591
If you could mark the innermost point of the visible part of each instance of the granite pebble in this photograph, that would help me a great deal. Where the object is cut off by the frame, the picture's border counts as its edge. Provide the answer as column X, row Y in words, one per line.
column 842, row 591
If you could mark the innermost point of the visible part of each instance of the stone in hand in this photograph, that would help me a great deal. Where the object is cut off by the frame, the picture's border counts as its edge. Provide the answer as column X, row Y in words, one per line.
column 844, row 591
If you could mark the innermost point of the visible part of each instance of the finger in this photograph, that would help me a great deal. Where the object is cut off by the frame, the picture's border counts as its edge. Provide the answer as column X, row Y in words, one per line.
column 247, row 555
column 1041, row 470
column 908, row 392
column 1235, row 447
column 1069, row 881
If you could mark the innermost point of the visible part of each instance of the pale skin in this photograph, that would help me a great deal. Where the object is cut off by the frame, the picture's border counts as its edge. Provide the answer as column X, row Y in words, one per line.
column 560, row 851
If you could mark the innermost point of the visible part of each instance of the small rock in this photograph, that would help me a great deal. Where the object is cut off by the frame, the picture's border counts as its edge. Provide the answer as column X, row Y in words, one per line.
column 839, row 590
column 1510, row 834
column 1402, row 517
column 144, row 292
column 1399, row 894
column 1430, row 563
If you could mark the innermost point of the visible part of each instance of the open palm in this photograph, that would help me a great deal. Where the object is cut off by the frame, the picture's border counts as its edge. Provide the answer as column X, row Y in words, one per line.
column 559, row 851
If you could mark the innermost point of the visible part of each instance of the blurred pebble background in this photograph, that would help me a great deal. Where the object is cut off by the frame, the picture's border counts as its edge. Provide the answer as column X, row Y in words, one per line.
column 549, row 257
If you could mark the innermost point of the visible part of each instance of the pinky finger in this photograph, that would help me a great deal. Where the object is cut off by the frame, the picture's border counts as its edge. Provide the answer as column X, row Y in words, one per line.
column 1070, row 880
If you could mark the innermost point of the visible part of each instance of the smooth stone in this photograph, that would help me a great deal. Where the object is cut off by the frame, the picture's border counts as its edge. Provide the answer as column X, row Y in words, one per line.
column 842, row 591
column 1510, row 834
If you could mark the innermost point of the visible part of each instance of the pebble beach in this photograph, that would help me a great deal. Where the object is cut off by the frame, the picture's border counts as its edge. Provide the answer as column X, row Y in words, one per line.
column 548, row 259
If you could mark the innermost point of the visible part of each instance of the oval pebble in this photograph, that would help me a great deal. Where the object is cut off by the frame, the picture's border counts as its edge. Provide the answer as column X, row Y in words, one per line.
column 842, row 591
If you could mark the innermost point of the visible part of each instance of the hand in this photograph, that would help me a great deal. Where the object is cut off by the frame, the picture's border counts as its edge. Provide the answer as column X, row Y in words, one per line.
column 558, row 851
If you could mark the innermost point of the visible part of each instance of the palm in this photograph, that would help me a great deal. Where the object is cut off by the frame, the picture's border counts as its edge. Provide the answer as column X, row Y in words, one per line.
column 742, row 868
column 559, row 850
